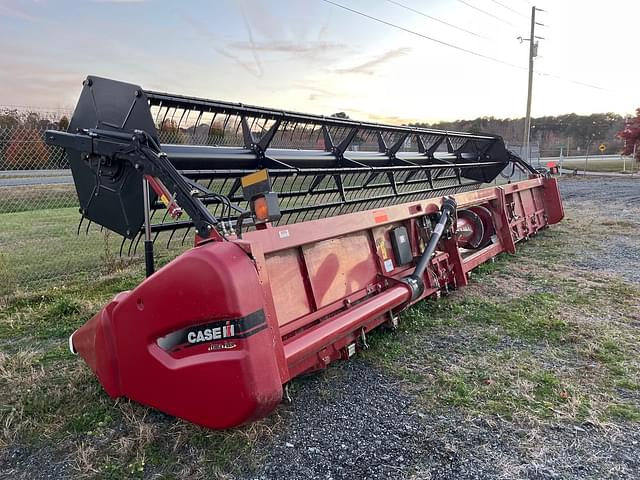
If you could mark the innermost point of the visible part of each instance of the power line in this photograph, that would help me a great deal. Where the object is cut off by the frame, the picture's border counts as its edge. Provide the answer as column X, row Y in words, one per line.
column 489, row 14
column 577, row 82
column 456, row 47
column 406, row 7
column 441, row 42
column 509, row 8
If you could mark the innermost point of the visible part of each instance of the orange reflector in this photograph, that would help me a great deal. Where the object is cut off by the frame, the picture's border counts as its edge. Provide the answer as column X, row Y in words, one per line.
column 253, row 178
column 261, row 209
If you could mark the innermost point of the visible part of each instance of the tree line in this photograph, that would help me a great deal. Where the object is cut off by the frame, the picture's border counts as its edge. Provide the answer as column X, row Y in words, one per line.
column 22, row 145
column 571, row 132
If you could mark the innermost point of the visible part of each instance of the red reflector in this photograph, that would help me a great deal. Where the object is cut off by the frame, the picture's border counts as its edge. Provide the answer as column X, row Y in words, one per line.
column 380, row 217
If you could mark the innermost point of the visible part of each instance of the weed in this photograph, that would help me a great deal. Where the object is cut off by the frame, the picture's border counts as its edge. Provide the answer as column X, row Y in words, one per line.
column 7, row 279
column 623, row 411
column 108, row 257
column 546, row 386
column 627, row 384
column 608, row 352
column 497, row 264
column 60, row 318
column 93, row 416
column 455, row 390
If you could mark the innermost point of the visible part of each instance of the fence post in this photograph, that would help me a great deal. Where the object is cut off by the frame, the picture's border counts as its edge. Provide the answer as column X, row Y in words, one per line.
column 560, row 161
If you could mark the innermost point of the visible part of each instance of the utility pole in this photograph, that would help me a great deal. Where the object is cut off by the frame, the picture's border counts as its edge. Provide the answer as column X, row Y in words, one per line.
column 533, row 53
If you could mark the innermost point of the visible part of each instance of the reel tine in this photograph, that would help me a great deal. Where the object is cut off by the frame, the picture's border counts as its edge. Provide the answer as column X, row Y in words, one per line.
column 86, row 232
column 124, row 239
column 135, row 249
column 131, row 246
column 80, row 225
column 170, row 238
column 185, row 235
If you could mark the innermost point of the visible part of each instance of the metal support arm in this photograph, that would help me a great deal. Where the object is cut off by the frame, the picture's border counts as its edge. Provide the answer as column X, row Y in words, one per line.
column 100, row 147
column 415, row 281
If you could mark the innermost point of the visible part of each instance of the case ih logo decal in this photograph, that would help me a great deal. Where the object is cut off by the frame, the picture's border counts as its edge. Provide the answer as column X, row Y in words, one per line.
column 208, row 334
column 214, row 331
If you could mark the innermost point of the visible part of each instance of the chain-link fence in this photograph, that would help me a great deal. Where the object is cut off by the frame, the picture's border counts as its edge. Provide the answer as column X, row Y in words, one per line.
column 33, row 175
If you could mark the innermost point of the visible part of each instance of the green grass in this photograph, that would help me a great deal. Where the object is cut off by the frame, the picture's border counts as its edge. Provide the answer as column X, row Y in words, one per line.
column 531, row 317
column 40, row 248
column 36, row 197
column 600, row 165
column 622, row 411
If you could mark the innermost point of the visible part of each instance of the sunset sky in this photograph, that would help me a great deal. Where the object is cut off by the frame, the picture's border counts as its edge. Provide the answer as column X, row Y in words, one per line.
column 314, row 56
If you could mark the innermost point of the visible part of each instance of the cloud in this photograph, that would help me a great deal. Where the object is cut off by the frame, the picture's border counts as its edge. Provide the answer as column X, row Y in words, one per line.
column 254, row 68
column 315, row 92
column 26, row 83
column 377, row 118
column 304, row 40
column 392, row 119
column 10, row 11
column 312, row 51
column 252, row 43
column 308, row 47
column 370, row 67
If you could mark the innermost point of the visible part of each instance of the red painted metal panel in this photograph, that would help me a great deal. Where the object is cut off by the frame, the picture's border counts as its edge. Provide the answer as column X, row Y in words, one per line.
column 288, row 285
column 340, row 267
column 281, row 238
column 481, row 256
column 553, row 203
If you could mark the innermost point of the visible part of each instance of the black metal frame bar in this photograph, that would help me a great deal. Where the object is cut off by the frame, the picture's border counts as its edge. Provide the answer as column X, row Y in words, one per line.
column 319, row 166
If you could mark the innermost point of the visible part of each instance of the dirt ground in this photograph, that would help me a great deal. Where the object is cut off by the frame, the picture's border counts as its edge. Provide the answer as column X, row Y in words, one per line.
column 532, row 372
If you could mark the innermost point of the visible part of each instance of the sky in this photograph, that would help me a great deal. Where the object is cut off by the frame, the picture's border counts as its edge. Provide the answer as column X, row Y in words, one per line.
column 318, row 57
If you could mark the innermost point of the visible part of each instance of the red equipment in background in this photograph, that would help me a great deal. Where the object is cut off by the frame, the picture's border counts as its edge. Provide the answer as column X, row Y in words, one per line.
column 214, row 335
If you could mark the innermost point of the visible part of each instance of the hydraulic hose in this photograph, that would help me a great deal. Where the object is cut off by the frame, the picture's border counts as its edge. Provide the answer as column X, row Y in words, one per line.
column 416, row 279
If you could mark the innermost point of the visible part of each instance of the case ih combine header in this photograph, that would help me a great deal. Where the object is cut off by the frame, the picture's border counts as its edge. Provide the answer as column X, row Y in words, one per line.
column 310, row 231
